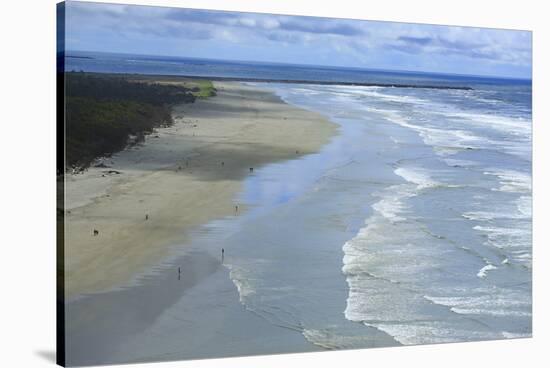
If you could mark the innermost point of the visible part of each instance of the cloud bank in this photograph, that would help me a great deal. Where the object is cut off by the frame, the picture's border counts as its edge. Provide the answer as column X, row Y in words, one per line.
column 297, row 40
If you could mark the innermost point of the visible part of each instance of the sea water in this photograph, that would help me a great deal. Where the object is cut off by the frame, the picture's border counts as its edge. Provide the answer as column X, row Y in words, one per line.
column 413, row 225
column 104, row 62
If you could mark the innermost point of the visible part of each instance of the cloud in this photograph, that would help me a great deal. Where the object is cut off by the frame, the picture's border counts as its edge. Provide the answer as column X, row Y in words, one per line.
column 292, row 39
column 416, row 40
column 496, row 46
column 267, row 22
column 320, row 26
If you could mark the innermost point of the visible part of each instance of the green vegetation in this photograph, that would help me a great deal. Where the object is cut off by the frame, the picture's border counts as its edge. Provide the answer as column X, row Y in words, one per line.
column 201, row 88
column 105, row 113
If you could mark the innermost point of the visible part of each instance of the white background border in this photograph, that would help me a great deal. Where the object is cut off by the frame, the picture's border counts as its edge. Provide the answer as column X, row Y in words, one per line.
column 27, row 181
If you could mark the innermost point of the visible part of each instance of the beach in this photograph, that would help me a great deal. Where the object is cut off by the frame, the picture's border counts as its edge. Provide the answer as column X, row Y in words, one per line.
column 245, row 184
column 384, row 223
column 144, row 200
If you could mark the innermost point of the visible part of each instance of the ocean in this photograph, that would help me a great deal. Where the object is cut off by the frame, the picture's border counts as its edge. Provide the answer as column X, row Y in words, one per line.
column 196, row 67
column 413, row 225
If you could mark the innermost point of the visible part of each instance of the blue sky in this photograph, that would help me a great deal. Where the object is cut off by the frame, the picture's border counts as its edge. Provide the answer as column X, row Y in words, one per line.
column 297, row 40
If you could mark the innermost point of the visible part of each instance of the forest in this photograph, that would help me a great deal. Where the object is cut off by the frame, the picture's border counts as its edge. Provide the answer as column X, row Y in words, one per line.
column 104, row 113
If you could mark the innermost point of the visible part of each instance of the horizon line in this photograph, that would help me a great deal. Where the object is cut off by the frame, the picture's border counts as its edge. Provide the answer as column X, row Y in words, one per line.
column 530, row 79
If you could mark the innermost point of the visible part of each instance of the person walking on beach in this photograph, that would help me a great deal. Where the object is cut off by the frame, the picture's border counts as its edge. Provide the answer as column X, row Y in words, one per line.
column 223, row 251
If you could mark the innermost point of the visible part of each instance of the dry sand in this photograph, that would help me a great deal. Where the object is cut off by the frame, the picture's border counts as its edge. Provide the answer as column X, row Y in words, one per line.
column 176, row 178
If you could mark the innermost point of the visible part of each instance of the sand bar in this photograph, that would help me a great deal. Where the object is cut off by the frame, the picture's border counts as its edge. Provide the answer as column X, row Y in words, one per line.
column 147, row 198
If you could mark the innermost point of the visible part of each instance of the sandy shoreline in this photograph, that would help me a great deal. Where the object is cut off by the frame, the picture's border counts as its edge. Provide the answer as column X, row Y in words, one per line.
column 181, row 177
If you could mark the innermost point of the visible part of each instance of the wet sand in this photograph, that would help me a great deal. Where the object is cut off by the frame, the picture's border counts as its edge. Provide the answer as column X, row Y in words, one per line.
column 194, row 315
column 127, row 301
column 145, row 200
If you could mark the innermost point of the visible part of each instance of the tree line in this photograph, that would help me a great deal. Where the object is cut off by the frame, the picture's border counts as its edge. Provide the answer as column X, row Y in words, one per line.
column 103, row 112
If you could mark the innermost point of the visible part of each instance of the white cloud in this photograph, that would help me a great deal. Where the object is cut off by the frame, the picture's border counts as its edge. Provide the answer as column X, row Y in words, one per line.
column 358, row 41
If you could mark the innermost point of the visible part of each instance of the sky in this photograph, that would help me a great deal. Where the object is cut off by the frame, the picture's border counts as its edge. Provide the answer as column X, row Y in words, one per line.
column 239, row 36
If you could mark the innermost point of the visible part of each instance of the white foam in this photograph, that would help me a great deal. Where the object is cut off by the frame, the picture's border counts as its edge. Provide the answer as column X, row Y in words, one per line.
column 488, row 298
column 489, row 216
column 522, row 210
column 492, row 303
column 373, row 251
column 491, row 312
column 511, row 180
column 431, row 332
column 417, row 176
column 508, row 228
column 379, row 261
column 413, row 333
column 394, row 98
column 480, row 215
column 516, row 335
column 505, row 237
column 525, row 206
column 483, row 271
column 390, row 207
column 448, row 141
column 523, row 255
column 445, row 141
column 355, row 252
column 309, row 92
column 514, row 242
column 241, row 280
column 374, row 92
column 508, row 125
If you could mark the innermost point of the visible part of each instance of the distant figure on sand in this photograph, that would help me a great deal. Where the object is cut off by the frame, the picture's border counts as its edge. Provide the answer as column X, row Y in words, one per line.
column 236, row 209
column 223, row 251
column 251, row 169
column 179, row 273
column 96, row 232
column 146, row 217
